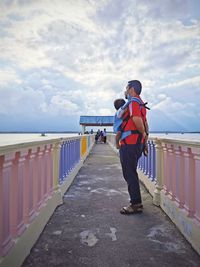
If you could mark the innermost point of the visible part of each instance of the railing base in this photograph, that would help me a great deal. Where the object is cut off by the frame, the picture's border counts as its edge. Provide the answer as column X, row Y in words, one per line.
column 23, row 245
column 189, row 227
column 69, row 179
column 149, row 185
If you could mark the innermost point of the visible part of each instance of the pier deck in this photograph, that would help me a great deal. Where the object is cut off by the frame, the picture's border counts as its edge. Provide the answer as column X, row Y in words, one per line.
column 88, row 230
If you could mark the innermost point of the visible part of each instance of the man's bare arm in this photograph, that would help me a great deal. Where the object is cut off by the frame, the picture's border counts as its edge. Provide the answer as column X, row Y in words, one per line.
column 139, row 125
column 117, row 139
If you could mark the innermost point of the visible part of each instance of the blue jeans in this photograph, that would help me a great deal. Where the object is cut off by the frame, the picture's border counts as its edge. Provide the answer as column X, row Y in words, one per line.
column 129, row 156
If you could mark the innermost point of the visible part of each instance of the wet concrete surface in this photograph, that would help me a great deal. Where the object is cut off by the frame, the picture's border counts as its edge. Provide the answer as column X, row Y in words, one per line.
column 88, row 230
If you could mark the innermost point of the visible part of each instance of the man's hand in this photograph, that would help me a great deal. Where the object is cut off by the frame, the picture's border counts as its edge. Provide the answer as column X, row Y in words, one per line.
column 118, row 146
column 145, row 149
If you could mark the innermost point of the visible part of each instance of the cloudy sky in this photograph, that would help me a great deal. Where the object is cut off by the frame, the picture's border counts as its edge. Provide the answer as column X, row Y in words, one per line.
column 60, row 59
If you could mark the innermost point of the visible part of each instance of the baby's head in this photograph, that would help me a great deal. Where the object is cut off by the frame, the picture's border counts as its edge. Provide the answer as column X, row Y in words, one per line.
column 118, row 103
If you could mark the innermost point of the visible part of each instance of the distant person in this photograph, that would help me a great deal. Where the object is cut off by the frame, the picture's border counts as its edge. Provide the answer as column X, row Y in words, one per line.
column 101, row 136
column 96, row 137
column 104, row 136
column 131, row 147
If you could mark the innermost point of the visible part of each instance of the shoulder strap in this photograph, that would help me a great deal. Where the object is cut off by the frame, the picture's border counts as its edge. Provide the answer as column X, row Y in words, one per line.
column 125, row 120
column 126, row 104
column 139, row 101
column 127, row 117
column 144, row 105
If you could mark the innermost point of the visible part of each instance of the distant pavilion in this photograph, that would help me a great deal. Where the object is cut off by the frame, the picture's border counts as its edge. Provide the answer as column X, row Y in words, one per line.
column 96, row 121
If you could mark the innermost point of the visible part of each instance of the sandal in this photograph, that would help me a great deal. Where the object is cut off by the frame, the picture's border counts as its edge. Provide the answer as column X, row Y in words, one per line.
column 132, row 209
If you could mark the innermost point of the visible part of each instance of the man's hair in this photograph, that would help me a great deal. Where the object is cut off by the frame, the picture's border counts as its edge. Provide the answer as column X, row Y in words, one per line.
column 136, row 85
column 118, row 103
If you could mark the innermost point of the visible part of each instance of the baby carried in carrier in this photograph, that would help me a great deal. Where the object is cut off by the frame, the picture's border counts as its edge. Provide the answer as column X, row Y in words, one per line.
column 118, row 120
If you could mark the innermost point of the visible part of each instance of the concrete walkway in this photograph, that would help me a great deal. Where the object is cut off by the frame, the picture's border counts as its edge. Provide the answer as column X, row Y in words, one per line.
column 88, row 230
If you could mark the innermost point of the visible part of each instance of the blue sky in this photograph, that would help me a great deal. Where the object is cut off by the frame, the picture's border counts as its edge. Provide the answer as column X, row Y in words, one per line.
column 60, row 59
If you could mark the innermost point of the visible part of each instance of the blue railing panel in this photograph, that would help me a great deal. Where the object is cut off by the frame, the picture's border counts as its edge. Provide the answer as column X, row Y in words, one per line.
column 153, row 163
column 149, row 159
column 69, row 157
column 148, row 164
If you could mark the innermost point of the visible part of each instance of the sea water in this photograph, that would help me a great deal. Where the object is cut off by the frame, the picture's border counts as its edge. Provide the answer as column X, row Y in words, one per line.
column 190, row 137
column 19, row 138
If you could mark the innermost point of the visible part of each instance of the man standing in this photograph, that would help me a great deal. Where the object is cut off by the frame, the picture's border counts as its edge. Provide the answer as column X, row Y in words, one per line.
column 132, row 146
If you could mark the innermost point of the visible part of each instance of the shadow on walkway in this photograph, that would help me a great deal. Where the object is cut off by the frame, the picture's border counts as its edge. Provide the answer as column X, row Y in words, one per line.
column 88, row 230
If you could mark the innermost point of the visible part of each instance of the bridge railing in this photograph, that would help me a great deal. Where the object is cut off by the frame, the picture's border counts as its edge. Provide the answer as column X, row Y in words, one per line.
column 171, row 173
column 33, row 179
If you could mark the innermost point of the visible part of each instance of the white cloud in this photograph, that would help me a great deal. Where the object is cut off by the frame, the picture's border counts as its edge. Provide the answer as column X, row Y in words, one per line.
column 20, row 101
column 190, row 82
column 76, row 42
column 105, row 112
column 98, row 45
column 162, row 96
column 29, row 102
column 163, row 10
column 26, row 44
column 101, row 95
column 174, row 108
column 8, row 75
column 61, row 105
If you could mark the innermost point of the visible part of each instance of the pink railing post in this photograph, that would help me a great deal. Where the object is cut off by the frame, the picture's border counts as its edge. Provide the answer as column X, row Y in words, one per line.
column 6, row 241
column 27, row 187
column 186, row 177
column 51, row 165
column 192, row 192
column 179, row 177
column 40, row 176
column 49, row 174
column 196, row 152
column 45, row 173
column 16, row 187
column 159, row 173
column 35, row 178
column 172, row 168
column 166, row 169
column 29, row 183
column 189, row 181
